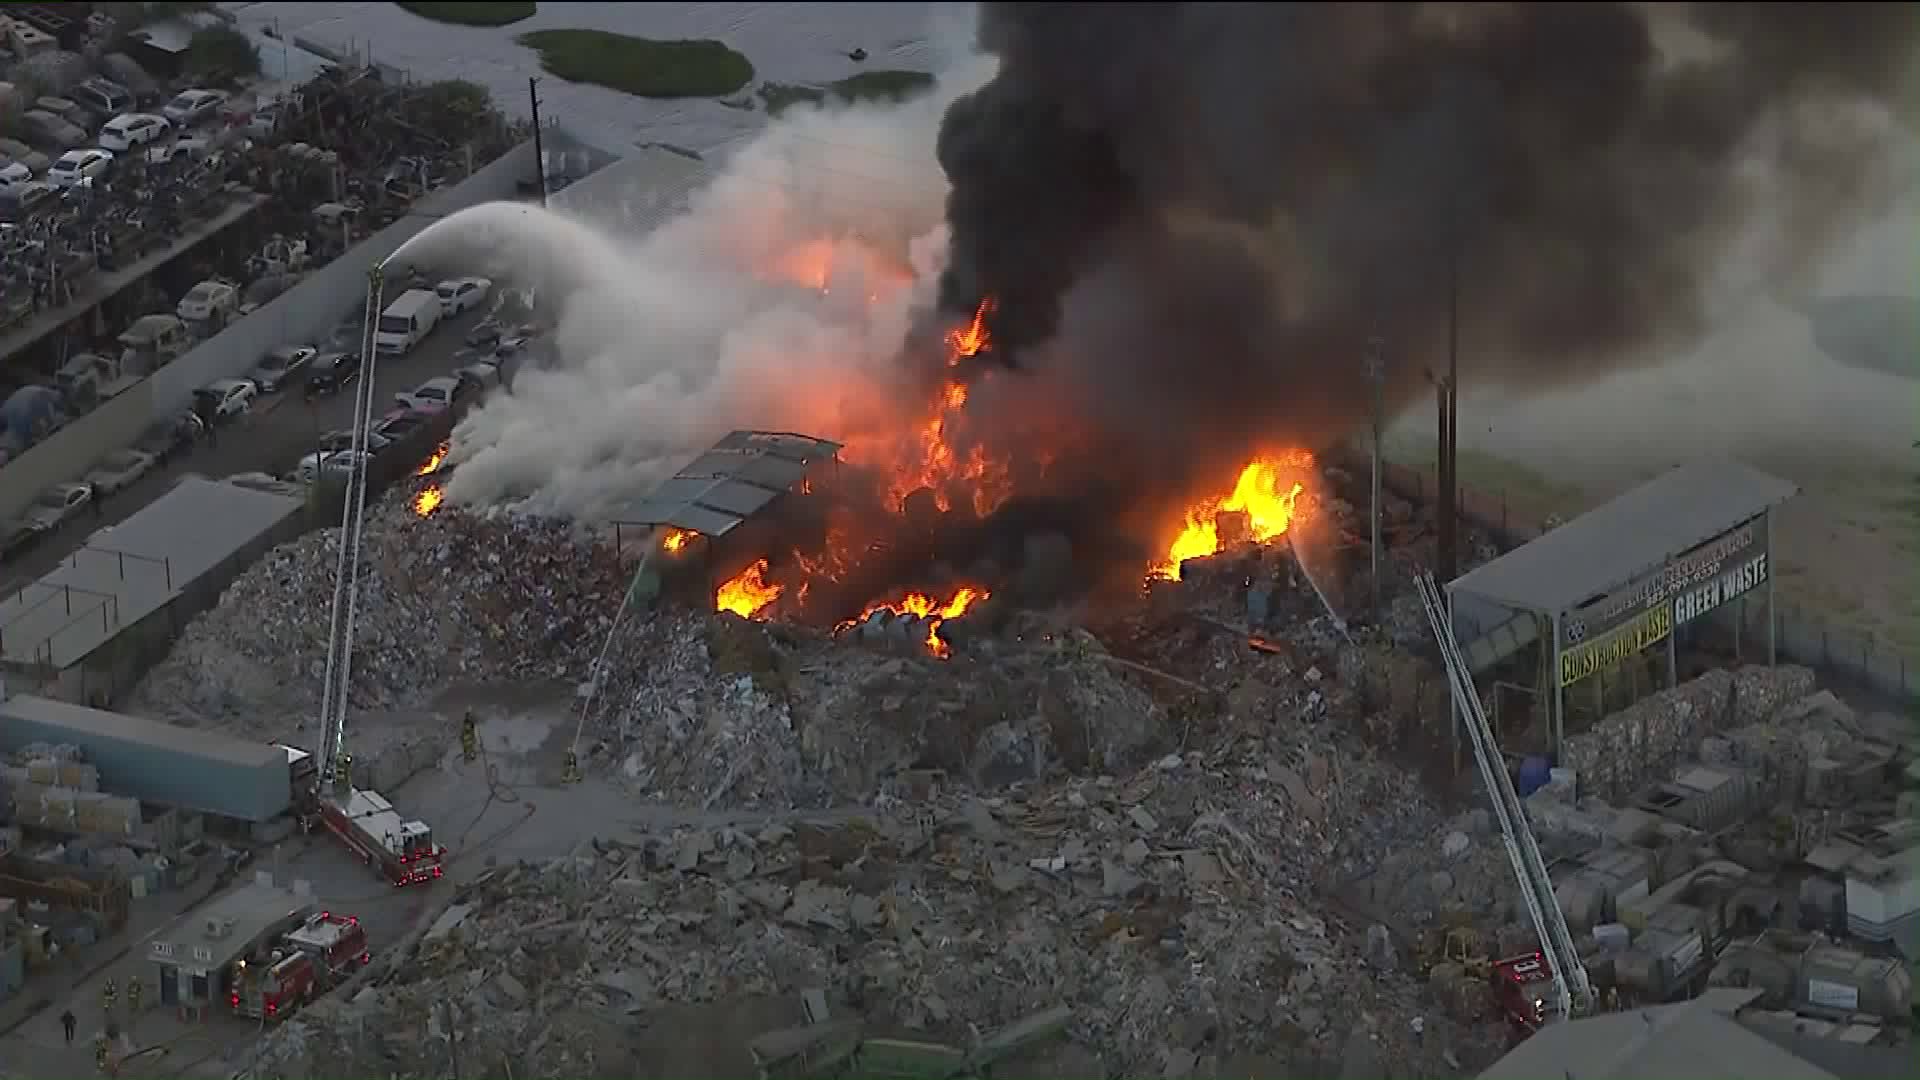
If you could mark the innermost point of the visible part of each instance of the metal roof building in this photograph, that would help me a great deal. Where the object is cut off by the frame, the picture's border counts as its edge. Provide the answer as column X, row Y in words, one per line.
column 1618, row 579
column 731, row 482
column 154, row 762
column 193, row 954
column 1703, row 1038
column 640, row 192
column 136, row 583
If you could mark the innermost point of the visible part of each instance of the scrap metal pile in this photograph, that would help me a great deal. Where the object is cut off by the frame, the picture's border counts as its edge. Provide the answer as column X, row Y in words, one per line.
column 1138, row 820
column 1172, row 909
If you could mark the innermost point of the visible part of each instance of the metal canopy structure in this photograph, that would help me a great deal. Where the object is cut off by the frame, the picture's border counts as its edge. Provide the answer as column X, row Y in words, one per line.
column 731, row 482
column 1619, row 579
column 1607, row 547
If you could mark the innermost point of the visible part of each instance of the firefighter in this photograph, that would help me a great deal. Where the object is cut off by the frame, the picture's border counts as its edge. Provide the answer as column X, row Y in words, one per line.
column 101, row 1057
column 469, row 738
column 107, row 994
column 133, row 994
column 572, row 773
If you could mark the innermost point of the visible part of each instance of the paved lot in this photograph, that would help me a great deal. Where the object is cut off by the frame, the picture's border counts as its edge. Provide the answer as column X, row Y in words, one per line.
column 271, row 439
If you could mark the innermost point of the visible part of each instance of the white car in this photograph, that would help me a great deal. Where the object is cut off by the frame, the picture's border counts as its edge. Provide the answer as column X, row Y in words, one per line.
column 229, row 397
column 462, row 294
column 189, row 107
column 54, row 506
column 434, row 395
column 186, row 146
column 120, row 470
column 128, row 130
column 212, row 298
column 77, row 165
column 13, row 174
column 336, row 462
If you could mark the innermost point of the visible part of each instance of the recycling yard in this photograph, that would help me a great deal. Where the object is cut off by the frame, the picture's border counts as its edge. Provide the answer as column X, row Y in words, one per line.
column 1213, row 843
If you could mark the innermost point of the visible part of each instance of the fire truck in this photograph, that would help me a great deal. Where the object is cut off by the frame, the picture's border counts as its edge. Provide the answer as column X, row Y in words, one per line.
column 366, row 822
column 337, row 944
column 273, row 987
column 1522, row 986
column 403, row 851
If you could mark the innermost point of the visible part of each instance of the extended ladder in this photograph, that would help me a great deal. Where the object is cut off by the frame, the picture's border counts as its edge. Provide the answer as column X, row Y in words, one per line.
column 346, row 582
column 1572, row 992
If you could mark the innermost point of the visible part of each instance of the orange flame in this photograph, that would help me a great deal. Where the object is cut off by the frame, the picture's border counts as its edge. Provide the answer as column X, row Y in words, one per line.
column 1262, row 492
column 427, row 501
column 926, row 607
column 749, row 593
column 432, row 464
column 968, row 340
column 677, row 539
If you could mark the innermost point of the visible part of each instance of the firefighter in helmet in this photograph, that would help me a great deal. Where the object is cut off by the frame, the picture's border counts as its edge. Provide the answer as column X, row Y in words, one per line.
column 107, row 994
column 469, row 738
column 102, row 1058
column 133, row 994
column 572, row 773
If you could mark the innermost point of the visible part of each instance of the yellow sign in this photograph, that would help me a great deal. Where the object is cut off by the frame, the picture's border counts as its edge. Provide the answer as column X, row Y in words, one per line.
column 1589, row 657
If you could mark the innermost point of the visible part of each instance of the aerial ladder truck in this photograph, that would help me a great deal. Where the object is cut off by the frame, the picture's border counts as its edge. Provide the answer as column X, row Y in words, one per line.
column 1564, row 978
column 404, row 851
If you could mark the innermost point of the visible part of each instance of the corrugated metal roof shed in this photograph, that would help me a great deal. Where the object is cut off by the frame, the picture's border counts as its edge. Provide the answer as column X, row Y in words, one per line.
column 245, row 915
column 1612, row 545
column 734, row 480
column 121, row 576
column 640, row 192
column 1698, row 1038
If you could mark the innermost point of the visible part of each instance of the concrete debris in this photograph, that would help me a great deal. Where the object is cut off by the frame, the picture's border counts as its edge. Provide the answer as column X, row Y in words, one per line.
column 959, row 915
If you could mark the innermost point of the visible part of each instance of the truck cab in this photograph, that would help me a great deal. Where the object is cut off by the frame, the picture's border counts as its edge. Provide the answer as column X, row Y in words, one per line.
column 272, row 988
column 1523, row 986
column 337, row 944
column 150, row 343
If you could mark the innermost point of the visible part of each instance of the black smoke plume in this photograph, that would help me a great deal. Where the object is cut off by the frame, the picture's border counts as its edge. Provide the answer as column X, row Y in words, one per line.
column 1193, row 216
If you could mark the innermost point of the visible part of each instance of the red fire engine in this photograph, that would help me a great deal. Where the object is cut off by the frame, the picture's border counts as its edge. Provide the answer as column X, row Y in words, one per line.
column 1521, row 985
column 403, row 850
column 337, row 944
column 272, row 989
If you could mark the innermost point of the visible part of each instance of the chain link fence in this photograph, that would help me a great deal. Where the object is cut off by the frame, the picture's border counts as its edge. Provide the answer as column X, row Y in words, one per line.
column 1803, row 636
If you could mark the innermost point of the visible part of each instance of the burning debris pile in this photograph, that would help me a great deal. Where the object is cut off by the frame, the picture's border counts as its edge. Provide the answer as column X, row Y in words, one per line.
column 1172, row 909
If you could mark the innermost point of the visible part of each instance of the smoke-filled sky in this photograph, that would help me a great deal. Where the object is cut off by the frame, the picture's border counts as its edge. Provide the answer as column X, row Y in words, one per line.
column 1193, row 217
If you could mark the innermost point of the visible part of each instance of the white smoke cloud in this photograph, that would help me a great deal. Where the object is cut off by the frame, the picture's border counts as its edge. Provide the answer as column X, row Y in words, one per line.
column 779, row 300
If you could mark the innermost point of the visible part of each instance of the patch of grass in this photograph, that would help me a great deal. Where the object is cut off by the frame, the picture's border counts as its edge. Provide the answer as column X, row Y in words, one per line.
column 640, row 66
column 886, row 85
column 502, row 14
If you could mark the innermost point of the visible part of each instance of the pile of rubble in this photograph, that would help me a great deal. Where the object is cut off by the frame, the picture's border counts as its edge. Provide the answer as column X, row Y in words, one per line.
column 443, row 600
column 1174, row 910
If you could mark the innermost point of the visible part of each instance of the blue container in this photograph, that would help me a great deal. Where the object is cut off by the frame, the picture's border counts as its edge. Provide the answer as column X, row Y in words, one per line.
column 1535, row 772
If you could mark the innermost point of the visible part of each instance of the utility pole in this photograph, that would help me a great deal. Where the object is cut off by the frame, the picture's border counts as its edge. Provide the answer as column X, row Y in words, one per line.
column 1448, row 395
column 1376, row 376
column 539, row 145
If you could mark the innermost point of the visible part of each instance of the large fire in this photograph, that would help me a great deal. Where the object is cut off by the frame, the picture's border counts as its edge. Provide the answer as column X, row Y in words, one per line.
column 749, row 592
column 676, row 540
column 1265, row 492
column 925, row 607
column 428, row 501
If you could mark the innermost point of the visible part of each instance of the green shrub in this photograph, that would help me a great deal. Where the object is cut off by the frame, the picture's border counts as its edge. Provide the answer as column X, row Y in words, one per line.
column 503, row 14
column 639, row 66
column 222, row 51
column 866, row 86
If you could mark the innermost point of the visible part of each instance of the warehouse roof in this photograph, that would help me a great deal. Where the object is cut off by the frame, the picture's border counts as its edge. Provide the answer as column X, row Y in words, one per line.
column 1698, row 1038
column 641, row 191
column 1612, row 545
column 731, row 482
column 87, row 723
column 127, row 572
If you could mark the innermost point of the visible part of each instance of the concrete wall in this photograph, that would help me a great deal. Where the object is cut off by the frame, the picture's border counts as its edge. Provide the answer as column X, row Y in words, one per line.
column 74, row 449
column 303, row 313
column 306, row 312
